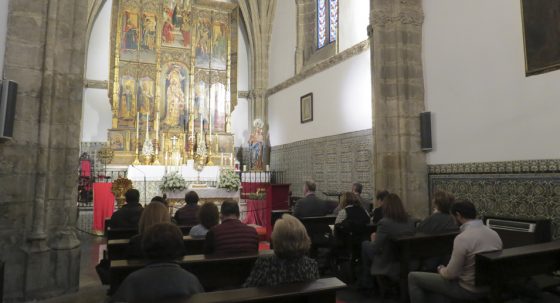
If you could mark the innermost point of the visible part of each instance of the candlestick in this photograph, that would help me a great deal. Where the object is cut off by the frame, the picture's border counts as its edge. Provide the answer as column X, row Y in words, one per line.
column 147, row 123
column 157, row 125
column 231, row 159
column 221, row 159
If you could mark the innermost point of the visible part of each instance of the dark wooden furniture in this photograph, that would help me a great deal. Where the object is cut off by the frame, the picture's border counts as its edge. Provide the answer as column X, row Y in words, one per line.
column 420, row 247
column 318, row 291
column 214, row 273
column 496, row 269
column 1, row 281
column 518, row 231
column 277, row 214
column 127, row 233
column 117, row 248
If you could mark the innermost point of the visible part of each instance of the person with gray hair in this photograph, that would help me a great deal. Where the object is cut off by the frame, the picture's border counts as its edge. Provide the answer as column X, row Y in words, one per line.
column 289, row 263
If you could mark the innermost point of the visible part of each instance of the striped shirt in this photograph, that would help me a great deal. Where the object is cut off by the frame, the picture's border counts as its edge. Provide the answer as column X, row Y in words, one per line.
column 231, row 238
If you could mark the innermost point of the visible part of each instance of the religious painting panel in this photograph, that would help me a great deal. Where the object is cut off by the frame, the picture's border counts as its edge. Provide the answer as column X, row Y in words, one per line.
column 176, row 29
column 174, row 85
column 218, row 101
column 129, row 35
column 147, row 51
column 220, row 34
column 203, row 39
column 201, row 102
column 225, row 144
column 175, row 55
column 117, row 140
column 127, row 102
column 146, row 90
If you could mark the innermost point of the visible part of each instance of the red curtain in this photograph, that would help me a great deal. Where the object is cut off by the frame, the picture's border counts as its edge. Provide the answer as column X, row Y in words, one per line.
column 103, row 204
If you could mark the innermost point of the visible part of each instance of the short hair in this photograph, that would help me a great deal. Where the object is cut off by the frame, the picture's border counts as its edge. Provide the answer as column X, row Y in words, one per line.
column 393, row 208
column 208, row 215
column 381, row 195
column 464, row 207
column 349, row 198
column 443, row 201
column 289, row 238
column 159, row 199
column 310, row 185
column 191, row 197
column 152, row 214
column 357, row 187
column 163, row 241
column 132, row 196
column 229, row 207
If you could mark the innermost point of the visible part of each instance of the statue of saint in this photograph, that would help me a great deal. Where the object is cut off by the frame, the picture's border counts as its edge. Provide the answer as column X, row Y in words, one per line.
column 256, row 144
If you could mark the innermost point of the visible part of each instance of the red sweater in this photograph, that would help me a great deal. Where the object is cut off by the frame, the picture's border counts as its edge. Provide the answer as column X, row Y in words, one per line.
column 231, row 238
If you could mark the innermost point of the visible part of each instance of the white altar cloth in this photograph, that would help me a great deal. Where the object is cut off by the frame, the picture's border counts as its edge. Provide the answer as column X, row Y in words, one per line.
column 206, row 193
column 156, row 172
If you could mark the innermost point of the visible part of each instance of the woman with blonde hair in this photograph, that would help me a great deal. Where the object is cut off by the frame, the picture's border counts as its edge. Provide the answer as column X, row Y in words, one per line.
column 289, row 263
column 153, row 214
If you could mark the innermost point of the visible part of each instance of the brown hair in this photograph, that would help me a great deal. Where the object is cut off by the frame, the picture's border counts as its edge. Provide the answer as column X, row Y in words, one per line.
column 208, row 215
column 154, row 213
column 163, row 241
column 191, row 197
column 393, row 208
column 349, row 198
column 289, row 238
column 443, row 201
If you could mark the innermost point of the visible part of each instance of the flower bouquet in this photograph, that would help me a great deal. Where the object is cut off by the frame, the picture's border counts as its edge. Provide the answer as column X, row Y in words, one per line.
column 229, row 180
column 172, row 182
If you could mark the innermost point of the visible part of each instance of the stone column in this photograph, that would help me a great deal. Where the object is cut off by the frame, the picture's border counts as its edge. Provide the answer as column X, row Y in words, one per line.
column 398, row 98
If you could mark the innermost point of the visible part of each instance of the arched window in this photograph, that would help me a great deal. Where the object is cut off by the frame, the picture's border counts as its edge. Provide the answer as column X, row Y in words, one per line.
column 327, row 22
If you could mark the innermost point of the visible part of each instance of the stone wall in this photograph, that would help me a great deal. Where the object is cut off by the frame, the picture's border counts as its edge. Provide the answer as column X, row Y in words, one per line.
column 38, row 167
column 333, row 162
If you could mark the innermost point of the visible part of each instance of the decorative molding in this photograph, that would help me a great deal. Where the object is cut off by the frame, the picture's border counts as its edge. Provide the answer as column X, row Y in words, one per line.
column 321, row 66
column 506, row 167
column 101, row 84
column 410, row 17
column 243, row 94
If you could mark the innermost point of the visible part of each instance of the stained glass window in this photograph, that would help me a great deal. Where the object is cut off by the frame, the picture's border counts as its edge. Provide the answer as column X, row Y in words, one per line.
column 327, row 22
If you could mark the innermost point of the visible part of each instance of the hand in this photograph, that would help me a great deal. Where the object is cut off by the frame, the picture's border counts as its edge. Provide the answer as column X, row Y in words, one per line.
column 439, row 268
column 372, row 237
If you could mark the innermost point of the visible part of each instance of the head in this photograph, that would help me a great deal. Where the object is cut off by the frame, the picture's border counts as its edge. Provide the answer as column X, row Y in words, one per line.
column 349, row 198
column 443, row 201
column 208, row 215
column 132, row 196
column 191, row 198
column 289, row 238
column 229, row 210
column 159, row 199
column 357, row 188
column 463, row 211
column 393, row 208
column 152, row 214
column 309, row 187
column 380, row 196
column 163, row 241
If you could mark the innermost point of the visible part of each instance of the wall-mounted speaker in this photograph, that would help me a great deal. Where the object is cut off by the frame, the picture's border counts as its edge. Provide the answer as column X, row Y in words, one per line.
column 426, row 131
column 8, row 92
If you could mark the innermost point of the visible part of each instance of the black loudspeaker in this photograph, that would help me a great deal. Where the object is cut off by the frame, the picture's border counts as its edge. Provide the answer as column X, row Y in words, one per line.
column 426, row 131
column 8, row 92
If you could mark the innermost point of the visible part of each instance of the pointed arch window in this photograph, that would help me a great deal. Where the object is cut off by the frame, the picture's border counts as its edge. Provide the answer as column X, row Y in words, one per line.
column 327, row 22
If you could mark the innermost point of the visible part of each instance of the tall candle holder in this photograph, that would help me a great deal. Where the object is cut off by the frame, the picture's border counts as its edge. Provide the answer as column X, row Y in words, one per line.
column 210, row 154
column 137, row 142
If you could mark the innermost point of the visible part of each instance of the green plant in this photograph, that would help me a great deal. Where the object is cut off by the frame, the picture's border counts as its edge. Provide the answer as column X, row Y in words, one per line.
column 172, row 182
column 229, row 180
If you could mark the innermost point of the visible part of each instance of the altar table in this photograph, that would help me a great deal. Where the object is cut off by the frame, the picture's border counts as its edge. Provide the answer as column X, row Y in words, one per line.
column 156, row 172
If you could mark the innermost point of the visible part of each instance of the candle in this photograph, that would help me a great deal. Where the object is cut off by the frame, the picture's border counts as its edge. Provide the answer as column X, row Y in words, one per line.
column 157, row 126
column 267, row 167
column 137, row 128
column 221, row 159
column 147, row 124
column 244, row 167
column 231, row 159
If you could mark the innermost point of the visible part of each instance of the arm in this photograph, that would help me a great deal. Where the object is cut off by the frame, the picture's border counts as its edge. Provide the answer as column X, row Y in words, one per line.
column 381, row 237
column 209, row 243
column 298, row 210
column 340, row 217
column 456, row 263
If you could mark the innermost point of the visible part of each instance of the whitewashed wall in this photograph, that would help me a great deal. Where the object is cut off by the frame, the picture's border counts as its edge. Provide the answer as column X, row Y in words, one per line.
column 342, row 93
column 97, row 110
column 484, row 108
column 3, row 32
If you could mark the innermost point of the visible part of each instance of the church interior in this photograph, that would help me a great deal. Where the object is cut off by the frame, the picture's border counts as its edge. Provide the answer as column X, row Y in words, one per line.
column 263, row 103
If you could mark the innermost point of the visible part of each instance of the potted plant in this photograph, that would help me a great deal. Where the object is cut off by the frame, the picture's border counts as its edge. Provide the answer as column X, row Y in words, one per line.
column 229, row 180
column 172, row 182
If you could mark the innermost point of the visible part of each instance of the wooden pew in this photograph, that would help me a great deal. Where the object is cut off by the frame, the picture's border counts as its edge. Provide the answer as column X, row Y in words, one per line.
column 117, row 248
column 213, row 272
column 127, row 233
column 420, row 247
column 318, row 291
column 318, row 230
column 496, row 269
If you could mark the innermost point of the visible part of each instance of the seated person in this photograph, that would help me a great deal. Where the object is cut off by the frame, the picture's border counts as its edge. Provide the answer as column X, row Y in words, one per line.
column 441, row 220
column 456, row 280
column 154, row 213
column 187, row 215
column 231, row 237
column 161, row 200
column 365, row 203
column 377, row 213
column 162, row 278
column 378, row 256
column 289, row 263
column 310, row 205
column 208, row 216
column 129, row 215
column 352, row 217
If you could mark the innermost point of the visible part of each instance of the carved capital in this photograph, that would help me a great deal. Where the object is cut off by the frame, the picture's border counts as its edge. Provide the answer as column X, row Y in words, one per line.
column 408, row 17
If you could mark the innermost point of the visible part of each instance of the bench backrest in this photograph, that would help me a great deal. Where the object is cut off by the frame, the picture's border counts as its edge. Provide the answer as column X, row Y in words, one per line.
column 117, row 248
column 420, row 246
column 127, row 233
column 212, row 272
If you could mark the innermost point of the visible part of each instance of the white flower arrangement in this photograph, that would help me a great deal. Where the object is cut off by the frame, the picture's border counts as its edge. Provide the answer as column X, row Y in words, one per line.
column 229, row 180
column 172, row 182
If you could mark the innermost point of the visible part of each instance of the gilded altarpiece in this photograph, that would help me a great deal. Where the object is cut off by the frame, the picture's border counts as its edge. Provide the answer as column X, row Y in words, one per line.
column 173, row 60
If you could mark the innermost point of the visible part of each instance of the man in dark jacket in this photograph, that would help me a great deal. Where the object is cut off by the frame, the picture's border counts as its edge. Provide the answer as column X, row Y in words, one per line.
column 187, row 215
column 310, row 205
column 129, row 215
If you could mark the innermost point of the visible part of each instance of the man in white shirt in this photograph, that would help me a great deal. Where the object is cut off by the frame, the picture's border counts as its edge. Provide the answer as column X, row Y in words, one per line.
column 456, row 280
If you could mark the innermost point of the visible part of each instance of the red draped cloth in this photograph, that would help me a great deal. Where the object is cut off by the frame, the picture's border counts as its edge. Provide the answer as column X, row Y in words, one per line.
column 103, row 205
column 257, row 213
column 85, row 166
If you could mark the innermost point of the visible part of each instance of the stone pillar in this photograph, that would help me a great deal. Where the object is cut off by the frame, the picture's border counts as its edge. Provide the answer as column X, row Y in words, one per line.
column 398, row 98
column 45, row 55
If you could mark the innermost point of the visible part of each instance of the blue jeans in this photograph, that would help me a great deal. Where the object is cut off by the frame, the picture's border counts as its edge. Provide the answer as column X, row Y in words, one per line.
column 432, row 287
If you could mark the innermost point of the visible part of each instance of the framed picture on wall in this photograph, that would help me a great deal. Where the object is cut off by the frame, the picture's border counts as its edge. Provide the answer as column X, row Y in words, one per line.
column 306, row 108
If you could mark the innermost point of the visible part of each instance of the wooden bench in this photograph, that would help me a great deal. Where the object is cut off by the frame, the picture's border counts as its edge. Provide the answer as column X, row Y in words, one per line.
column 496, row 269
column 420, row 247
column 117, row 248
column 213, row 272
column 318, row 291
column 127, row 233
